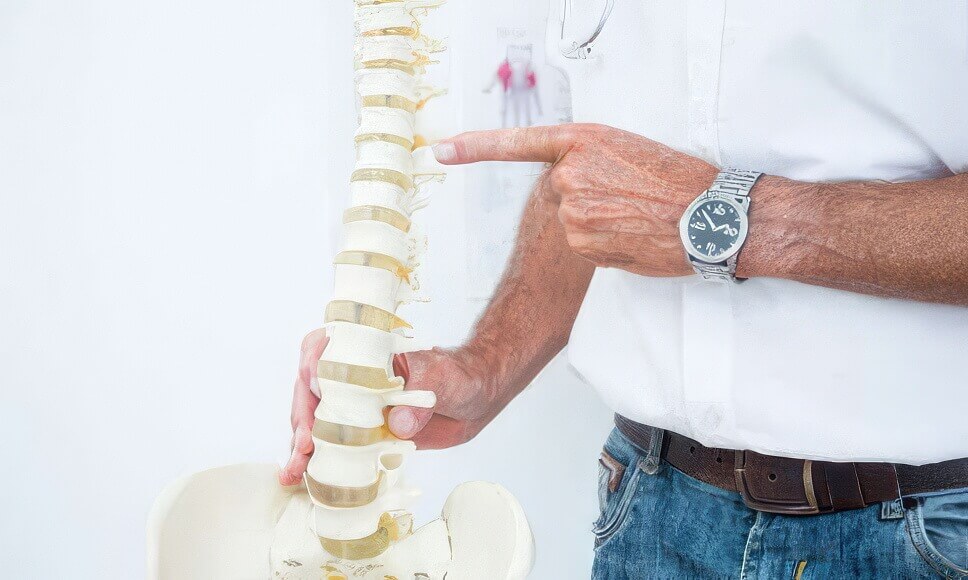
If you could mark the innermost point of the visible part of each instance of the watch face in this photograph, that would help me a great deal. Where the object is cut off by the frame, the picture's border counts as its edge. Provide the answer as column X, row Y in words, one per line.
column 713, row 229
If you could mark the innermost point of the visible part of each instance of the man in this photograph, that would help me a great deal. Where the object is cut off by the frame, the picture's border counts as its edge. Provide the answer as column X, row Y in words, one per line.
column 790, row 395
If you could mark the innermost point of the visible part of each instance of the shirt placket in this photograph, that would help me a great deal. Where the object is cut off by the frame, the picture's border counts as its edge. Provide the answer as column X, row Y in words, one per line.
column 706, row 307
column 704, row 42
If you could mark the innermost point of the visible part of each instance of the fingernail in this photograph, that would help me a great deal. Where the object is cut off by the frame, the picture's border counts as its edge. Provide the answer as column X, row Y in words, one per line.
column 445, row 151
column 401, row 366
column 314, row 385
column 402, row 422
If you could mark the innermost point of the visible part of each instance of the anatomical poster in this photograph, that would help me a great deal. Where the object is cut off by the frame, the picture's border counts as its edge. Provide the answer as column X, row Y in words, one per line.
column 505, row 82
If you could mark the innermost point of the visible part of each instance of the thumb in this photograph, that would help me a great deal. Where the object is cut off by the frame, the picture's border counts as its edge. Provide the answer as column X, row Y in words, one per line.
column 405, row 422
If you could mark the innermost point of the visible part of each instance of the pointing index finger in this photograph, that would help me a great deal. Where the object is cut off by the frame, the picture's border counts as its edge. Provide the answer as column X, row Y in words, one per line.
column 542, row 144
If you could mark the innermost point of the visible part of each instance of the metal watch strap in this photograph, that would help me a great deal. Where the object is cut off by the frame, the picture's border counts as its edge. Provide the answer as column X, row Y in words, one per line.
column 735, row 183
column 725, row 272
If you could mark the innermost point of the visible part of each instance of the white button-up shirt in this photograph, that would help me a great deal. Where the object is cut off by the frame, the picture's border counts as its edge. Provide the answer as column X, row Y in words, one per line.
column 814, row 91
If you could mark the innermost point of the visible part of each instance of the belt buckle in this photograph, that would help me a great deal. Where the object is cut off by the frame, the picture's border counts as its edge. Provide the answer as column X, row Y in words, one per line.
column 805, row 508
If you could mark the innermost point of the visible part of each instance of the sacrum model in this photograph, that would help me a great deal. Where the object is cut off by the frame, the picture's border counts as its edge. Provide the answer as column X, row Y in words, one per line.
column 349, row 519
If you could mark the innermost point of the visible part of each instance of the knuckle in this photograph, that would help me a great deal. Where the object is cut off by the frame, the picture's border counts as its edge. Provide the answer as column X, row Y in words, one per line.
column 577, row 242
column 571, row 132
column 570, row 217
column 590, row 129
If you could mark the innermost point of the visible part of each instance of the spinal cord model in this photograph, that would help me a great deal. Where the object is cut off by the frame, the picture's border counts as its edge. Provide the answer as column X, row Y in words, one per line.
column 350, row 518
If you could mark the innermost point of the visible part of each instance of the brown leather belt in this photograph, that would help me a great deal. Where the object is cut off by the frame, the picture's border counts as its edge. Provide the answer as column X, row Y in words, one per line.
column 783, row 485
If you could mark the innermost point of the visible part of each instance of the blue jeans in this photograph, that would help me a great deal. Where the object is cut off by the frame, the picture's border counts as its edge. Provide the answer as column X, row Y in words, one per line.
column 661, row 523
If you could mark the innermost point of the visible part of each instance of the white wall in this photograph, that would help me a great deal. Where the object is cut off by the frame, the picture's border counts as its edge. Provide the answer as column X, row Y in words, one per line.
column 167, row 176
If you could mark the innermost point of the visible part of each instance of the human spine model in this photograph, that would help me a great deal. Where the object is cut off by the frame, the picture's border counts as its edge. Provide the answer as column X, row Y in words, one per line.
column 350, row 518
column 352, row 478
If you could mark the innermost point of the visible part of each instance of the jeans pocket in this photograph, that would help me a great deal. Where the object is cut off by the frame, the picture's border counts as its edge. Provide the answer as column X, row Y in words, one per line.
column 938, row 527
column 604, row 477
column 616, row 501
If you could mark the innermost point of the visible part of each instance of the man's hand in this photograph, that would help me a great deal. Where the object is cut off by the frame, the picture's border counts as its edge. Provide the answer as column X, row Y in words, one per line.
column 304, row 402
column 619, row 195
column 464, row 401
column 524, row 326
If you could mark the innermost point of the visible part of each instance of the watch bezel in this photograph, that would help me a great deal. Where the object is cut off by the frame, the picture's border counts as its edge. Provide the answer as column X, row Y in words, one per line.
column 737, row 203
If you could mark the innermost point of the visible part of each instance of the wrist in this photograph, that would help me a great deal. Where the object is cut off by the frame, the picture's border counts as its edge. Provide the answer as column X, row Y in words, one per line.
column 781, row 210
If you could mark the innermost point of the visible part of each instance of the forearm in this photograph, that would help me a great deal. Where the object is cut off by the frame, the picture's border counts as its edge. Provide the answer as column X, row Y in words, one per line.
column 904, row 240
column 534, row 307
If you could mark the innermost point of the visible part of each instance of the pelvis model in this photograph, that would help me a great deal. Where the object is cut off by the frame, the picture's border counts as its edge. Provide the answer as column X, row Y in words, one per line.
column 349, row 518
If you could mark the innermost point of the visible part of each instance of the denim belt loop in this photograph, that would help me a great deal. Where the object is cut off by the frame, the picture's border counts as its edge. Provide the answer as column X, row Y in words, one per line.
column 653, row 456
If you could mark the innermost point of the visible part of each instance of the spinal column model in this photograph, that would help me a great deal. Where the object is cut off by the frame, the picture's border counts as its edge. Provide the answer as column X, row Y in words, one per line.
column 349, row 520
column 353, row 476
column 352, row 479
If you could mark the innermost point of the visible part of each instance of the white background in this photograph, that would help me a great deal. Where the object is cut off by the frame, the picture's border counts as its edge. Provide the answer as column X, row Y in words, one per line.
column 168, row 171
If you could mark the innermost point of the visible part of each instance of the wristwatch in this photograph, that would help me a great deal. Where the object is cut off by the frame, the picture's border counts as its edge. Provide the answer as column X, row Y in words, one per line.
column 714, row 226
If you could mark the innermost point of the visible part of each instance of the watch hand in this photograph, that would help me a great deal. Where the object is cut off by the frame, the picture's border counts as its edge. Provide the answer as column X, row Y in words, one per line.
column 711, row 224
